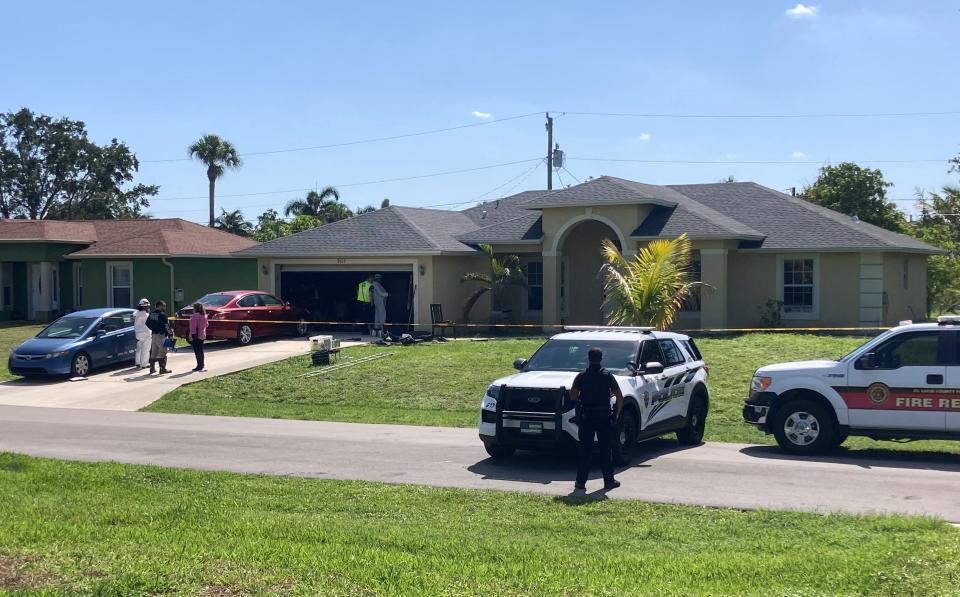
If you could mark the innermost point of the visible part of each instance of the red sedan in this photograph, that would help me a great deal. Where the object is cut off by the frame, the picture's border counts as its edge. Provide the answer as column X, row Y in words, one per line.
column 243, row 315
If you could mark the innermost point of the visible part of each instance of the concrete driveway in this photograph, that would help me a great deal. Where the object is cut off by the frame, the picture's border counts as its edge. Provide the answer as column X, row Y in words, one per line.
column 726, row 475
column 128, row 389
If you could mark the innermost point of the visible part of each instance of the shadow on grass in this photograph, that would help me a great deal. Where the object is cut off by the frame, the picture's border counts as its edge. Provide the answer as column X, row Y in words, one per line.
column 867, row 459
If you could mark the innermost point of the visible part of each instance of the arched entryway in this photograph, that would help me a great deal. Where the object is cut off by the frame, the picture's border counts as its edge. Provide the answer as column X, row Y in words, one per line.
column 581, row 285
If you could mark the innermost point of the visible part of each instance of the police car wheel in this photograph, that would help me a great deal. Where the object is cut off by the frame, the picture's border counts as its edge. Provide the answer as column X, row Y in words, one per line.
column 497, row 451
column 624, row 438
column 804, row 427
column 692, row 433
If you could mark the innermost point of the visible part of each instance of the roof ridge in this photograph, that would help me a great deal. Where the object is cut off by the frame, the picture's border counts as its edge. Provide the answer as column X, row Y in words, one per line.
column 417, row 228
column 872, row 230
column 719, row 218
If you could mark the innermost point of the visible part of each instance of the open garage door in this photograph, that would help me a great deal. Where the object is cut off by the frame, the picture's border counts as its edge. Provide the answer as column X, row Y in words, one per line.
column 331, row 294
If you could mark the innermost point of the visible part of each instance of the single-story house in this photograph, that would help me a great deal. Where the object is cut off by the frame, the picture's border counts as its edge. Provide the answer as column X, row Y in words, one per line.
column 48, row 267
column 752, row 245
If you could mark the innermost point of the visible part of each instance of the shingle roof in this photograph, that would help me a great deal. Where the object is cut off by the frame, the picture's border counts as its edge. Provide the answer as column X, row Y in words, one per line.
column 792, row 223
column 127, row 237
column 523, row 228
column 390, row 230
column 605, row 190
column 505, row 208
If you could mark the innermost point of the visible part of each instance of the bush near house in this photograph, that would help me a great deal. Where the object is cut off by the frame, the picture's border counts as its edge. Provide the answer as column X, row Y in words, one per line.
column 111, row 529
column 443, row 385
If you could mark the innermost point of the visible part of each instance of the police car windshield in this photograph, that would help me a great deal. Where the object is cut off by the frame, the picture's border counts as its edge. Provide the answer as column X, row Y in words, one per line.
column 571, row 355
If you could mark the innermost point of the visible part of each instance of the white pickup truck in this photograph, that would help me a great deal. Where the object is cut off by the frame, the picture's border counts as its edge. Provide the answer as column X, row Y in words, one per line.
column 903, row 384
column 661, row 374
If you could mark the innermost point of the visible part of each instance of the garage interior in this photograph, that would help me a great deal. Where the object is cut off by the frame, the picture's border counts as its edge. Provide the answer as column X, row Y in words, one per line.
column 332, row 295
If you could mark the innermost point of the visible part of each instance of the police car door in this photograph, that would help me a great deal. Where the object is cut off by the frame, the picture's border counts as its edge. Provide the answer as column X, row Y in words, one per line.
column 674, row 379
column 651, row 396
column 897, row 388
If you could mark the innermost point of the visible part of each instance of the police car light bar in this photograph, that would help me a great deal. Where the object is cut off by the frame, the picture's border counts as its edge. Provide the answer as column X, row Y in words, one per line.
column 607, row 328
column 949, row 320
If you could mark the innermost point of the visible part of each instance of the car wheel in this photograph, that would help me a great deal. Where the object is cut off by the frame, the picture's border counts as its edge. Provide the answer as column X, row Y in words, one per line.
column 245, row 334
column 804, row 427
column 692, row 433
column 80, row 365
column 625, row 438
column 839, row 439
column 498, row 451
column 303, row 328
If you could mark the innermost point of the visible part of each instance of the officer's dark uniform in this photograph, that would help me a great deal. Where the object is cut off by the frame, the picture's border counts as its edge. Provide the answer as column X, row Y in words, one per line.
column 595, row 385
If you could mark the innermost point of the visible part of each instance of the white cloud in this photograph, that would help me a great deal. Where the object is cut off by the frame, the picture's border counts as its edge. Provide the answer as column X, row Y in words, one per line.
column 802, row 11
column 729, row 156
column 644, row 137
column 799, row 154
column 479, row 114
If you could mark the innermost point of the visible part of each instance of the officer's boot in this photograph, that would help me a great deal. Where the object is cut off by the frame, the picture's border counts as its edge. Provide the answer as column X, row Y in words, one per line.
column 153, row 366
column 163, row 366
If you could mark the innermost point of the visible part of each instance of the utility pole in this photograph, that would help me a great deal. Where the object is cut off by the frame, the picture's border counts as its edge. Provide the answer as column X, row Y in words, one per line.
column 549, row 152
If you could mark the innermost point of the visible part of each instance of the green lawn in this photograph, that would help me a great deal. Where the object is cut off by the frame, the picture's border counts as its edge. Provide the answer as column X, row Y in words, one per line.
column 12, row 334
column 111, row 529
column 441, row 384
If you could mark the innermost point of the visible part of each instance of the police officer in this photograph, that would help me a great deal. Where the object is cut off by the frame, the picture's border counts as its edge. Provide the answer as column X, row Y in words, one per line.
column 593, row 388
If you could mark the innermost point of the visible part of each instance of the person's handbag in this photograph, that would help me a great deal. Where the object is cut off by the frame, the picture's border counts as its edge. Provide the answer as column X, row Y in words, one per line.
column 170, row 344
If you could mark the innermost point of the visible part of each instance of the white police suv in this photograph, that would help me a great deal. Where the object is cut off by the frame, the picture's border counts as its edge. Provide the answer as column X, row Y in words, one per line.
column 903, row 384
column 661, row 374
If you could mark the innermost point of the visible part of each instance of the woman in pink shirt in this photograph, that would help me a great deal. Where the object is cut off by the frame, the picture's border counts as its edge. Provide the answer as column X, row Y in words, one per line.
column 197, row 334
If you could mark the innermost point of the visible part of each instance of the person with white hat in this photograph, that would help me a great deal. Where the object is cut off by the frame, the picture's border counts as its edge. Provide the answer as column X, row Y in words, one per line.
column 143, row 334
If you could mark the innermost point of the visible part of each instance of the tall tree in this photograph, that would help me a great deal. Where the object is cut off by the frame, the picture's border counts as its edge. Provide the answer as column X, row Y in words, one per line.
column 49, row 168
column 233, row 222
column 217, row 155
column 651, row 289
column 939, row 225
column 385, row 203
column 325, row 206
column 856, row 191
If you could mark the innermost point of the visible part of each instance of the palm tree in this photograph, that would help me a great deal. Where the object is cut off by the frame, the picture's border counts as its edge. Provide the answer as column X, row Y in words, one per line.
column 504, row 271
column 218, row 155
column 324, row 206
column 233, row 222
column 652, row 288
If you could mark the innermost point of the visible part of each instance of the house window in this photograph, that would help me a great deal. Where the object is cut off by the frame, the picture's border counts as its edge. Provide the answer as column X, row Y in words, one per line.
column 692, row 305
column 535, row 286
column 798, row 285
column 120, row 280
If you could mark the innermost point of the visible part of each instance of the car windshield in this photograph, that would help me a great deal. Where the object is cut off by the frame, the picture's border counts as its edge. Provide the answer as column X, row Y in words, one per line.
column 215, row 300
column 67, row 327
column 571, row 355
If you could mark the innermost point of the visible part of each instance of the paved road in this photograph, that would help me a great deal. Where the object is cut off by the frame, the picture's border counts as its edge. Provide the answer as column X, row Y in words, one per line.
column 728, row 475
column 129, row 389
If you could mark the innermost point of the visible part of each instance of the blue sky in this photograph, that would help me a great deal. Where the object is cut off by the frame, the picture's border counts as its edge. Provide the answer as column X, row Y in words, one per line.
column 281, row 75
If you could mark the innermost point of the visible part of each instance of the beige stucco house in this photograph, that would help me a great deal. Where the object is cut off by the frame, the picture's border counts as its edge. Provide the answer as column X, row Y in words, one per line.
column 752, row 244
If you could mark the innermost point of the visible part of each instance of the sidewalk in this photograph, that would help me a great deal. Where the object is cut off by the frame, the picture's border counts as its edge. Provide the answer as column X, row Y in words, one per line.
column 129, row 389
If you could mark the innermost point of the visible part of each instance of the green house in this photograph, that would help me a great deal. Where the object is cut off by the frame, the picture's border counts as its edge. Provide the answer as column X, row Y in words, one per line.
column 49, row 267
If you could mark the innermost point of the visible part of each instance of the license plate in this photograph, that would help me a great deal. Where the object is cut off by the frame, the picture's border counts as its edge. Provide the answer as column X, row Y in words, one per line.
column 531, row 427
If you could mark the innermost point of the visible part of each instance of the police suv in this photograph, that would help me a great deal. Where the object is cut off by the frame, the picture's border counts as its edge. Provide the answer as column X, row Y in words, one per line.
column 903, row 384
column 661, row 374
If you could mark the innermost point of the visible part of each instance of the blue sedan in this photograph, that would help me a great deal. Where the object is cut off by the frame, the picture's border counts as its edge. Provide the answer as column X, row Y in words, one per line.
column 77, row 343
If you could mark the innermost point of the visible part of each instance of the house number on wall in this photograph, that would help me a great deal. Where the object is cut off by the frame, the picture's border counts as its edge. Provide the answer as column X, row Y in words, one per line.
column 341, row 261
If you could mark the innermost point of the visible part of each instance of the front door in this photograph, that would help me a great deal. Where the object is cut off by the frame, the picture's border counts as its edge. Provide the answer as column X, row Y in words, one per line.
column 900, row 389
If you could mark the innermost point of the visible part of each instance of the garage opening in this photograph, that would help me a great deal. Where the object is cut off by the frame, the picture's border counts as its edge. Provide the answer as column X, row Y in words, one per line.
column 332, row 295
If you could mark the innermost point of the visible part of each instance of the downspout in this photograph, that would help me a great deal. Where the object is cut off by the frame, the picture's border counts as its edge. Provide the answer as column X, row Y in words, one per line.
column 173, row 304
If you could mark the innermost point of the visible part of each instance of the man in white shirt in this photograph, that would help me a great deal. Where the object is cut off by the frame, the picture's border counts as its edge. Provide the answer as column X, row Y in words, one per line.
column 143, row 334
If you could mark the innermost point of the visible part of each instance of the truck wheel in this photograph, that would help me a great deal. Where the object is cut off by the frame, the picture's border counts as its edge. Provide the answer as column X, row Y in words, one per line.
column 839, row 439
column 692, row 433
column 498, row 451
column 804, row 427
column 625, row 438
column 245, row 334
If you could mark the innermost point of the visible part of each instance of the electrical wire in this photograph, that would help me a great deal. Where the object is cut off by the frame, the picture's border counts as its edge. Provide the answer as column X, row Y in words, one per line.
column 637, row 161
column 572, row 174
column 361, row 141
column 811, row 115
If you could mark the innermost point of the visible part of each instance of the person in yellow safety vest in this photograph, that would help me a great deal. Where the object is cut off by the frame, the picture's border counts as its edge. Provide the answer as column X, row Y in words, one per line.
column 365, row 303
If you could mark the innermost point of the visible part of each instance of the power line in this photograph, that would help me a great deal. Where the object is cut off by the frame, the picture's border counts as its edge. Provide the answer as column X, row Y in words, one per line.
column 755, row 162
column 356, row 184
column 809, row 115
column 519, row 178
column 361, row 141
column 572, row 174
